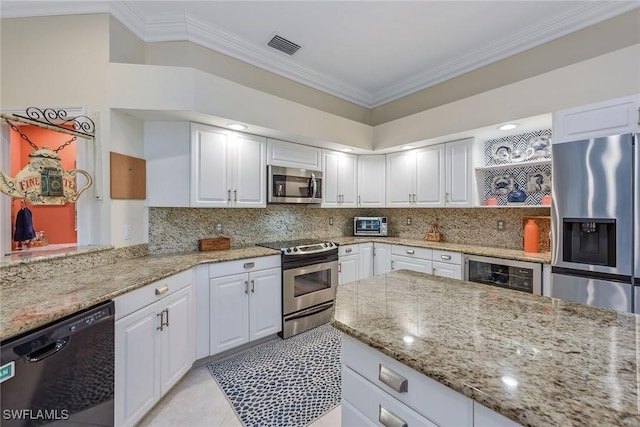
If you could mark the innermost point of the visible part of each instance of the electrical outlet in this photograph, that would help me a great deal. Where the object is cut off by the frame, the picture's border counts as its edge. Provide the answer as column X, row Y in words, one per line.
column 408, row 220
column 126, row 232
column 330, row 220
column 218, row 227
column 500, row 225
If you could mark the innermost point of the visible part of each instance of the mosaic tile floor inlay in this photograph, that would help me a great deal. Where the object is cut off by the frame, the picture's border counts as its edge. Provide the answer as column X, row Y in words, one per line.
column 284, row 382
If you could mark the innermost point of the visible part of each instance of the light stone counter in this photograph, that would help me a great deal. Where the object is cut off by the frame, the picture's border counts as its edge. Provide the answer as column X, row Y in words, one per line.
column 28, row 305
column 542, row 257
column 574, row 364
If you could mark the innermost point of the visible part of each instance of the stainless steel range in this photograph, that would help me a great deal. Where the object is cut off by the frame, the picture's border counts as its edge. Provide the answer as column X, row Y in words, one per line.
column 309, row 281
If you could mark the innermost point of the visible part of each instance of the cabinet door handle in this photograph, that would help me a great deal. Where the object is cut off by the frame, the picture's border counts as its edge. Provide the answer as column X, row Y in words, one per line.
column 339, row 268
column 253, row 286
column 249, row 264
column 389, row 419
column 229, row 195
column 166, row 310
column 414, row 197
column 246, row 287
column 446, row 197
column 359, row 201
column 393, row 379
column 162, row 289
column 445, row 257
column 411, row 251
column 392, row 264
column 348, row 250
column 161, row 316
column 410, row 197
column 235, row 195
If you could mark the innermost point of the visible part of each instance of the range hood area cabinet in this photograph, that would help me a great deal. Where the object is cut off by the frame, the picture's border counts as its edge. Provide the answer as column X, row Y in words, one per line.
column 434, row 176
column 196, row 165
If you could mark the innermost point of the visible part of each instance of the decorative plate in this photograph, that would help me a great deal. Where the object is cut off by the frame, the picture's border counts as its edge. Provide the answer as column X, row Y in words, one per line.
column 501, row 151
column 539, row 181
column 502, row 184
column 539, row 146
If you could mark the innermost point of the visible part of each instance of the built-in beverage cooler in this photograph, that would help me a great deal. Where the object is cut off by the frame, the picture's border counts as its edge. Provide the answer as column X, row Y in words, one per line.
column 509, row 274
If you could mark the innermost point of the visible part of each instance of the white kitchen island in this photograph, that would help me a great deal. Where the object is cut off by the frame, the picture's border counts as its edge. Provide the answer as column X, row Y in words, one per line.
column 472, row 354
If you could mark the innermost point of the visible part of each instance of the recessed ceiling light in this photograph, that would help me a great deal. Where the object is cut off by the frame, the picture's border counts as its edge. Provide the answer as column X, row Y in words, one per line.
column 347, row 149
column 406, row 147
column 508, row 126
column 236, row 126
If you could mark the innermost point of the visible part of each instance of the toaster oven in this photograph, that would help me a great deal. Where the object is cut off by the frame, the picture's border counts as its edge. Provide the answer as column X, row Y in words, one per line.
column 370, row 226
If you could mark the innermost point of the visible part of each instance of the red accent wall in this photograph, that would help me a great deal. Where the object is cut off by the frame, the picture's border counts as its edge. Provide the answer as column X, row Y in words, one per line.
column 58, row 222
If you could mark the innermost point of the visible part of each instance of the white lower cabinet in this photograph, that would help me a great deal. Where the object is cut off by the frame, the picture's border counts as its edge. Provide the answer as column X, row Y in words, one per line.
column 447, row 264
column 372, row 383
column 244, row 302
column 154, row 344
column 365, row 260
column 348, row 263
column 381, row 258
column 379, row 390
column 411, row 258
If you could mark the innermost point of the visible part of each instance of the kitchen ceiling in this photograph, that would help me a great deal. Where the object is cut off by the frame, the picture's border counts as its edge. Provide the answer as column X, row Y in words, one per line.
column 366, row 52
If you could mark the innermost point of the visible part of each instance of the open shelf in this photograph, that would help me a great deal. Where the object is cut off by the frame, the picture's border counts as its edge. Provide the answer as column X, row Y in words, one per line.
column 515, row 165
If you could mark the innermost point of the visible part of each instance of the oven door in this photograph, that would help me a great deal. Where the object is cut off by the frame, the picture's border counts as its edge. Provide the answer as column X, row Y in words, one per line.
column 308, row 286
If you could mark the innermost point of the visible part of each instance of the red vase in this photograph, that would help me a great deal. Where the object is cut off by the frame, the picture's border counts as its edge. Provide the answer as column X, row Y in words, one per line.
column 531, row 236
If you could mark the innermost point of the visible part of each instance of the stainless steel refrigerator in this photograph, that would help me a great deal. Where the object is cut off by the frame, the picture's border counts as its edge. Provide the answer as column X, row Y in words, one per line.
column 596, row 222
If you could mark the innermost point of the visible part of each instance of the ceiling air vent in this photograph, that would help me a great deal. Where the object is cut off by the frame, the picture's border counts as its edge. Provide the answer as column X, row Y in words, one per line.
column 283, row 45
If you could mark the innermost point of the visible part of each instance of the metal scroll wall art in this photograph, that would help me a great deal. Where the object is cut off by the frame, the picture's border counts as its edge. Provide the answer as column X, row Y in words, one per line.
column 42, row 181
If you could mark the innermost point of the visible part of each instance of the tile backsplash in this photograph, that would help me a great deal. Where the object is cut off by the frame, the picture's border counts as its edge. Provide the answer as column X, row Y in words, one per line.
column 178, row 229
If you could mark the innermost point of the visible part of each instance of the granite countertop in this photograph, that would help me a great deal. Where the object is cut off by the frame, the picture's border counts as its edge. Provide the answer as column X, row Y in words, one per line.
column 541, row 257
column 30, row 305
column 574, row 364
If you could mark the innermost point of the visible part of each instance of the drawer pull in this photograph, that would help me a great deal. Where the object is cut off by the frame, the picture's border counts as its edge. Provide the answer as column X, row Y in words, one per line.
column 411, row 251
column 445, row 256
column 348, row 250
column 393, row 379
column 162, row 289
column 389, row 419
column 249, row 264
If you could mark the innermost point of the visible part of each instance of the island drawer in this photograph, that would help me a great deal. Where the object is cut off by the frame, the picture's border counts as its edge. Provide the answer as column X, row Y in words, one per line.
column 435, row 401
column 376, row 405
column 411, row 251
column 141, row 297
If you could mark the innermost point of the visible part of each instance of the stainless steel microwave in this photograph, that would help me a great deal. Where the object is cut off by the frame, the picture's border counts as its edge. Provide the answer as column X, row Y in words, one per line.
column 292, row 185
column 370, row 226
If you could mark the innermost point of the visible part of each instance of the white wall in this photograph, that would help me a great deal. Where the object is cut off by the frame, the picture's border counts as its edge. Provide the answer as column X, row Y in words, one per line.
column 605, row 77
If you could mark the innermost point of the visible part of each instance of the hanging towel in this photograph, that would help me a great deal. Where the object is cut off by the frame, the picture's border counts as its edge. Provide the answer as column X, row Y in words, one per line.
column 24, row 226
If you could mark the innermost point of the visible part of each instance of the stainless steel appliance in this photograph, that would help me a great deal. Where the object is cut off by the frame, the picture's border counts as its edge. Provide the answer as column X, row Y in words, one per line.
column 309, row 281
column 370, row 226
column 505, row 273
column 291, row 185
column 61, row 374
column 596, row 230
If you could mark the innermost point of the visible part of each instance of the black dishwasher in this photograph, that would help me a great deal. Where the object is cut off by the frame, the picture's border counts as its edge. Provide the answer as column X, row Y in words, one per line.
column 61, row 374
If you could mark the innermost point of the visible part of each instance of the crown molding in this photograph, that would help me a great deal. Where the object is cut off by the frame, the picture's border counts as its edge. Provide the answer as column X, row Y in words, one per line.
column 182, row 27
column 527, row 38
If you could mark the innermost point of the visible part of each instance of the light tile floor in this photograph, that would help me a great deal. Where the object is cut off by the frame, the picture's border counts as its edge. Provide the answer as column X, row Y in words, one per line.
column 197, row 400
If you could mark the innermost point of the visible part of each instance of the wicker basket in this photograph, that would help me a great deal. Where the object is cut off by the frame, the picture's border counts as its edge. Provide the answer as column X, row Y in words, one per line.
column 433, row 235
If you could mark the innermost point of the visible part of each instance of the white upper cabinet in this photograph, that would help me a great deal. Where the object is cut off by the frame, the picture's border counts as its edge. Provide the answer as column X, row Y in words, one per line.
column 339, row 179
column 371, row 181
column 288, row 154
column 612, row 117
column 434, row 176
column 228, row 169
column 430, row 177
column 401, row 172
column 458, row 182
column 166, row 151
